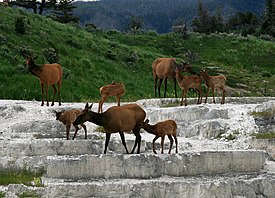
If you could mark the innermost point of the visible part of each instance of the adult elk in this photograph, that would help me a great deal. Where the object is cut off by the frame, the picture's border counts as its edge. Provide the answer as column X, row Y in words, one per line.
column 189, row 82
column 164, row 69
column 114, row 89
column 116, row 119
column 48, row 74
column 214, row 82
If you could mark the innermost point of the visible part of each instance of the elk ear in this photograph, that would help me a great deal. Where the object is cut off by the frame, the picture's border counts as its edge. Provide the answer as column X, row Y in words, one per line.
column 90, row 107
column 86, row 106
column 146, row 121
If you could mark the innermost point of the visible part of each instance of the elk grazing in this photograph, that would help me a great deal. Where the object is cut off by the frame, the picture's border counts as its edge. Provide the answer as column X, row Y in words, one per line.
column 163, row 69
column 189, row 82
column 116, row 119
column 114, row 89
column 48, row 74
column 167, row 127
column 67, row 118
column 214, row 82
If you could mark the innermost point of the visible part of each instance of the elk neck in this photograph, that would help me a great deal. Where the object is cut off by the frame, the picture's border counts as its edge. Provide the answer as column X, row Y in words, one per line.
column 149, row 128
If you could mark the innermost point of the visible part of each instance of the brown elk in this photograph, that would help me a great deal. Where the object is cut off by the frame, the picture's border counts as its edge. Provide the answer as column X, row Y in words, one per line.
column 167, row 127
column 164, row 69
column 67, row 118
column 116, row 119
column 214, row 82
column 48, row 74
column 114, row 89
column 189, row 82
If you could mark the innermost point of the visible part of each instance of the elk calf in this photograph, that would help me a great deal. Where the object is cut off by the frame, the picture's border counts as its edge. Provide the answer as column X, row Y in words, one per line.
column 214, row 82
column 114, row 89
column 67, row 118
column 167, row 127
column 188, row 82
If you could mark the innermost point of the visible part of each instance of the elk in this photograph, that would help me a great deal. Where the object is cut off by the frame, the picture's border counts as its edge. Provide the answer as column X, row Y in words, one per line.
column 114, row 89
column 167, row 127
column 163, row 69
column 116, row 119
column 214, row 82
column 48, row 74
column 67, row 118
column 188, row 82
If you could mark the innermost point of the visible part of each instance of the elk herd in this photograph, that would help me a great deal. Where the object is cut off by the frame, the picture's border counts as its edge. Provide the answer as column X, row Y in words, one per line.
column 129, row 117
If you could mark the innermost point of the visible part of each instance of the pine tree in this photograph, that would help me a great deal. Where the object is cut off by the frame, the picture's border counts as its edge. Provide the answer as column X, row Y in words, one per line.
column 64, row 12
column 34, row 4
column 268, row 26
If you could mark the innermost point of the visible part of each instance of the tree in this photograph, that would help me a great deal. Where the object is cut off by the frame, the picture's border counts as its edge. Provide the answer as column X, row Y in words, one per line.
column 34, row 4
column 135, row 24
column 268, row 26
column 63, row 12
column 202, row 22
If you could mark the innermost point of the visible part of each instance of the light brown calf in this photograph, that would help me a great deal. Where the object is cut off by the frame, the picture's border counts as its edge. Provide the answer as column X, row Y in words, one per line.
column 167, row 127
column 214, row 82
column 114, row 89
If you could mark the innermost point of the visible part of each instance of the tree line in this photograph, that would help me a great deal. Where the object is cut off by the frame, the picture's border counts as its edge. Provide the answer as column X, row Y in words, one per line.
column 242, row 22
column 61, row 10
column 204, row 22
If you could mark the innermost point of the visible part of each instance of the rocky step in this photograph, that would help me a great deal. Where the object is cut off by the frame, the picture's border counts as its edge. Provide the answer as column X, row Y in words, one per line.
column 226, row 186
column 51, row 147
column 145, row 166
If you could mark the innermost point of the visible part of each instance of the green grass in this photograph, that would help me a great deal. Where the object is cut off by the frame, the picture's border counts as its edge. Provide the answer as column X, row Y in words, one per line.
column 264, row 135
column 20, row 177
column 2, row 194
column 264, row 114
column 93, row 59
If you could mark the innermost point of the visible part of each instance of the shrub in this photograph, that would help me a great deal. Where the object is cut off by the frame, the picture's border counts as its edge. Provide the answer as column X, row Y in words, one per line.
column 51, row 55
column 20, row 25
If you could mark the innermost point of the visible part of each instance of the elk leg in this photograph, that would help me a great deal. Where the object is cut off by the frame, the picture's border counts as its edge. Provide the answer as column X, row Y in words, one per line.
column 223, row 96
column 58, row 91
column 103, row 99
column 176, row 141
column 154, row 140
column 68, row 132
column 213, row 94
column 181, row 103
column 171, row 143
column 162, row 143
column 47, row 94
column 123, row 141
column 42, row 93
column 54, row 93
column 207, row 92
column 76, row 130
column 108, row 135
column 137, row 140
column 85, row 129
column 118, row 100
column 175, row 87
column 159, row 85
column 156, row 82
column 185, row 97
column 165, row 87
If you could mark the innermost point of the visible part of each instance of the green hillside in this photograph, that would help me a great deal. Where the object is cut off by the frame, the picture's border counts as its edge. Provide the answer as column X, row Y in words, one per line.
column 91, row 59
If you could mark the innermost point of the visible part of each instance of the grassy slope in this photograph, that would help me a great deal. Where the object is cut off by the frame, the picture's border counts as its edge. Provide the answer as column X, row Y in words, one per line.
column 93, row 59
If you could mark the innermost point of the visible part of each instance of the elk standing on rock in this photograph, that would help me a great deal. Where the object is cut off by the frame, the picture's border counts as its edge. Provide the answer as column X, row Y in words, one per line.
column 116, row 119
column 164, row 68
column 214, row 82
column 67, row 118
column 188, row 82
column 48, row 74
column 114, row 89
column 167, row 127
